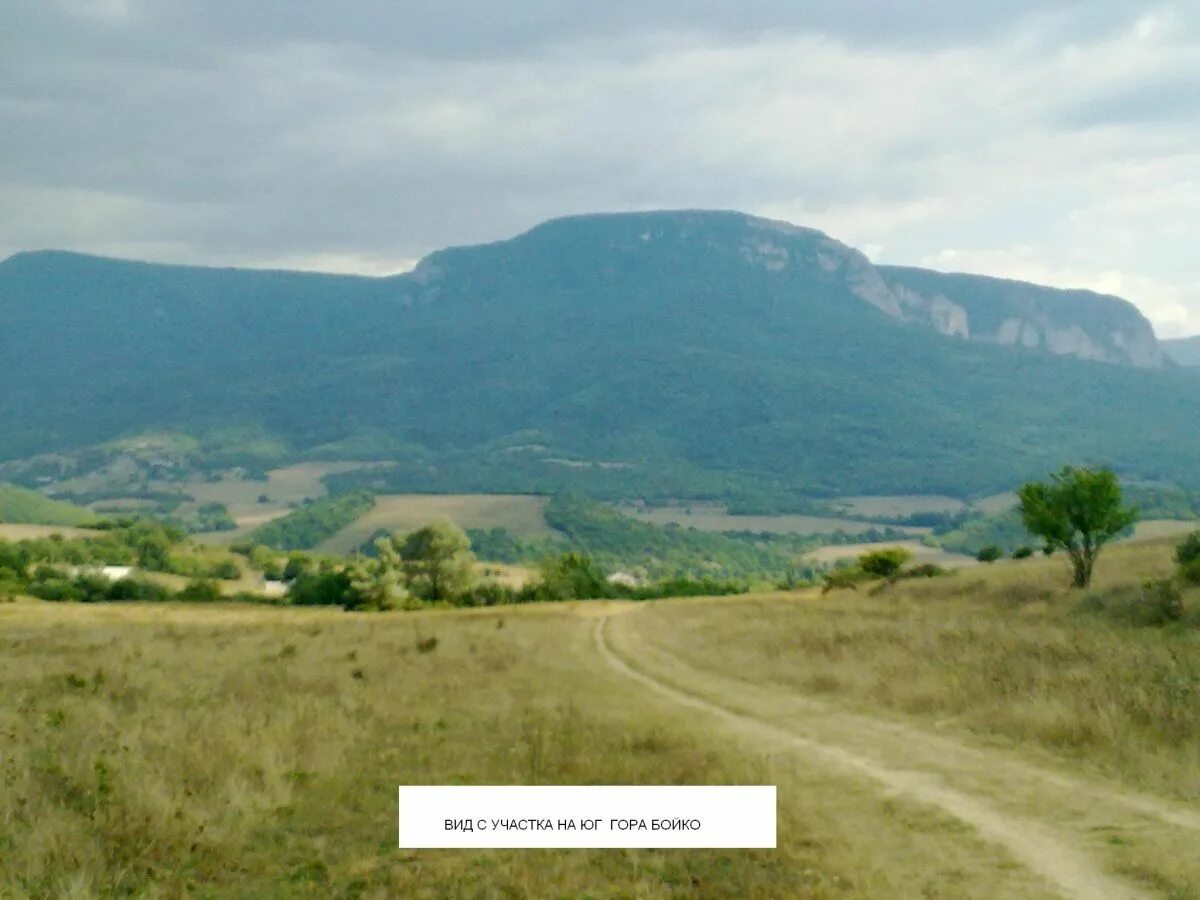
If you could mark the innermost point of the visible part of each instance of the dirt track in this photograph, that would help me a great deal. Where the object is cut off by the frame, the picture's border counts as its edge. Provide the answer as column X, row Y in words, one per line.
column 1053, row 824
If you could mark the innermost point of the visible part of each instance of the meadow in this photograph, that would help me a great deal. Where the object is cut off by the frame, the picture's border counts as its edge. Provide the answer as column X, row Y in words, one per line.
column 975, row 735
column 716, row 518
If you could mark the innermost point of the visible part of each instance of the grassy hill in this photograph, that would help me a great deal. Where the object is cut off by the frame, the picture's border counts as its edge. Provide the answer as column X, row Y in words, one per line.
column 658, row 355
column 22, row 506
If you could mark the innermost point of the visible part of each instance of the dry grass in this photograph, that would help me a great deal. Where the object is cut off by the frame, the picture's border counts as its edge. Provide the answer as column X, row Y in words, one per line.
column 165, row 751
column 997, row 651
column 521, row 514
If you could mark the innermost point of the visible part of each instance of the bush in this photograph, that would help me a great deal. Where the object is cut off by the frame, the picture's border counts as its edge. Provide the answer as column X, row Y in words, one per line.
column 1022, row 553
column 884, row 563
column 848, row 577
column 200, row 590
column 486, row 593
column 328, row 588
column 925, row 570
column 1188, row 550
column 139, row 589
column 989, row 554
column 1189, row 572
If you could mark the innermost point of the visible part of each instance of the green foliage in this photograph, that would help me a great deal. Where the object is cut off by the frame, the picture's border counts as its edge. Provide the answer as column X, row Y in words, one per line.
column 437, row 561
column 1078, row 510
column 200, row 590
column 25, row 507
column 94, row 588
column 573, row 576
column 925, row 570
column 376, row 581
column 304, row 528
column 1188, row 549
column 1022, row 552
column 884, row 563
column 989, row 553
column 327, row 587
column 844, row 578
column 1189, row 572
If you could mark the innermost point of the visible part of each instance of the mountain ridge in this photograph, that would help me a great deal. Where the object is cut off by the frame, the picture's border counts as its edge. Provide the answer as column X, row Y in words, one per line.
column 709, row 354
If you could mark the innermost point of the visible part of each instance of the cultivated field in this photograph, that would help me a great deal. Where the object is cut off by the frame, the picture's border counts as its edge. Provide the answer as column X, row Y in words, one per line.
column 715, row 518
column 10, row 532
column 521, row 514
column 921, row 553
column 970, row 736
column 899, row 505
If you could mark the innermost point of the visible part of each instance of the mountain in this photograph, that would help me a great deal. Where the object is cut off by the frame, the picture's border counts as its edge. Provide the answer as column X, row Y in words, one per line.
column 673, row 354
column 1185, row 351
column 1069, row 323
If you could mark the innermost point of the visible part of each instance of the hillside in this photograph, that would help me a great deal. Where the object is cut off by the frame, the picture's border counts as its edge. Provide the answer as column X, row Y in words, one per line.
column 25, row 507
column 657, row 355
column 1185, row 351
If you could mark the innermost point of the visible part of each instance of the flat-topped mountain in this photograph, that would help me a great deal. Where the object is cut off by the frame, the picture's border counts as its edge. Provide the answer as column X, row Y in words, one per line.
column 649, row 354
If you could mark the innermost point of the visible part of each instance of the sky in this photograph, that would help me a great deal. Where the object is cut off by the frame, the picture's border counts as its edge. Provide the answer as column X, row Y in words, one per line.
column 1056, row 142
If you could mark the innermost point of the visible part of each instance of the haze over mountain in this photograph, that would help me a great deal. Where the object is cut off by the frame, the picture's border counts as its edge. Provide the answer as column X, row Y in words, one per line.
column 1185, row 351
column 647, row 354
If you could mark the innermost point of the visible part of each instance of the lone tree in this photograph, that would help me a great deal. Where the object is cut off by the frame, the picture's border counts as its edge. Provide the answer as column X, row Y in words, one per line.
column 437, row 561
column 1078, row 510
column 885, row 563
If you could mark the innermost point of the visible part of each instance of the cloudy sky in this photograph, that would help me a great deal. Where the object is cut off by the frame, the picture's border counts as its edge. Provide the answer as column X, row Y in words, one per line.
column 1052, row 141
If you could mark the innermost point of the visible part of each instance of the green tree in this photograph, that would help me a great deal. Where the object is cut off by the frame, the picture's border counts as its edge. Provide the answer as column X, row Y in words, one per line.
column 573, row 576
column 1079, row 510
column 884, row 563
column 437, row 561
column 377, row 583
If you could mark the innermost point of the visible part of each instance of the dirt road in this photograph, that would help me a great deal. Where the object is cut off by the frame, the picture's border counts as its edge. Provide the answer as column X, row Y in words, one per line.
column 1057, row 826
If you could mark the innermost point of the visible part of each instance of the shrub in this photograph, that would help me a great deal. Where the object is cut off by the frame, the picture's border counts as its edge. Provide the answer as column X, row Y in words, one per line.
column 848, row 577
column 200, row 590
column 1022, row 553
column 989, row 554
column 884, row 563
column 1188, row 550
column 925, row 570
column 486, row 593
column 1189, row 572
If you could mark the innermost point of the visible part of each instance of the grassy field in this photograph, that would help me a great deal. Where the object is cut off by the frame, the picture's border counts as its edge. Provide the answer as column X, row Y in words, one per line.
column 521, row 514
column 970, row 736
column 241, row 752
column 10, row 532
column 900, row 505
column 920, row 553
column 715, row 518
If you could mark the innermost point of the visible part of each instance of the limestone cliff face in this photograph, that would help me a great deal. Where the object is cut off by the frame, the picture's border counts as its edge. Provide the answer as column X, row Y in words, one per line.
column 1064, row 322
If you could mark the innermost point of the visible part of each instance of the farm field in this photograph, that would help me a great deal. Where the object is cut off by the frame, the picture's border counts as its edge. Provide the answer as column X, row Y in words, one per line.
column 921, row 553
column 1157, row 528
column 969, row 736
column 11, row 532
column 521, row 514
column 899, row 505
column 715, row 518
